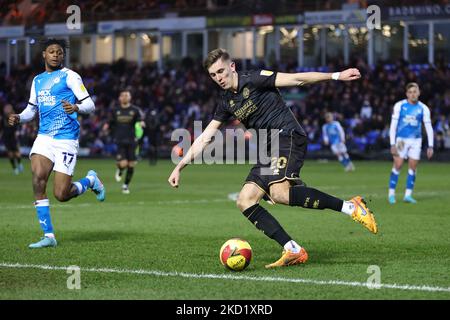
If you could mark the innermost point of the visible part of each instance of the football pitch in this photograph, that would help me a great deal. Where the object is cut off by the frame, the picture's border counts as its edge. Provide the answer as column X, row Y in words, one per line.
column 163, row 243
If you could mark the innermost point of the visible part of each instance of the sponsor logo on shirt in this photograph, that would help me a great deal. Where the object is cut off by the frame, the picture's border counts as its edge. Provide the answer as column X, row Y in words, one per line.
column 411, row 120
column 45, row 97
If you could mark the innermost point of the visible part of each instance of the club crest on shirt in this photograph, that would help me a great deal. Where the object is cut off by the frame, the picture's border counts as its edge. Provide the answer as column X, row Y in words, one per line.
column 245, row 93
column 231, row 104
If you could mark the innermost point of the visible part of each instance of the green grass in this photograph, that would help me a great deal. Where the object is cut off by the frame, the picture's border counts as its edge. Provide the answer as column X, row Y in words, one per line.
column 157, row 228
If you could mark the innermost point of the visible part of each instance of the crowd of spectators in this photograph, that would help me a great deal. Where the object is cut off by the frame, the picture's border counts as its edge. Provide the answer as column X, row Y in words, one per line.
column 38, row 12
column 29, row 12
column 178, row 96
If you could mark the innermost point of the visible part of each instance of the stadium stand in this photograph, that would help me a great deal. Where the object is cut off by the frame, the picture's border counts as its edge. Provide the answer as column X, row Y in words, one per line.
column 184, row 94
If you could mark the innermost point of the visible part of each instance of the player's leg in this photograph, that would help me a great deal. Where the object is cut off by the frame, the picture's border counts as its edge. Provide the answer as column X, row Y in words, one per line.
column 248, row 204
column 341, row 159
column 18, row 158
column 337, row 152
column 132, row 161
column 306, row 197
column 343, row 154
column 41, row 168
column 65, row 154
column 410, row 180
column 414, row 148
column 121, row 166
column 121, row 161
column 295, row 193
column 349, row 166
column 64, row 189
column 393, row 179
column 12, row 160
column 128, row 176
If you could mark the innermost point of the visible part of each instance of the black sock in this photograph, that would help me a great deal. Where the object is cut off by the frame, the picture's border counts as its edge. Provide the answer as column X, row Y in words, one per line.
column 19, row 159
column 129, row 175
column 265, row 222
column 120, row 170
column 313, row 199
column 13, row 162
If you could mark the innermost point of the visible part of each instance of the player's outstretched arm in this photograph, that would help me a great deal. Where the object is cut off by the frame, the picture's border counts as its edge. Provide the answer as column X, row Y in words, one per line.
column 429, row 130
column 303, row 78
column 197, row 148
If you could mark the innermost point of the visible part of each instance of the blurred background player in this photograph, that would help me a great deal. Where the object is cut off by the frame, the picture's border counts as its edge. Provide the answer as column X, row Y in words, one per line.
column 123, row 124
column 406, row 139
column 334, row 135
column 53, row 95
column 10, row 140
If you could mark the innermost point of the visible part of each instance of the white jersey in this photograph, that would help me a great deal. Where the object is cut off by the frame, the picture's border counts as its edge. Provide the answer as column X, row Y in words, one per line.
column 333, row 133
column 406, row 122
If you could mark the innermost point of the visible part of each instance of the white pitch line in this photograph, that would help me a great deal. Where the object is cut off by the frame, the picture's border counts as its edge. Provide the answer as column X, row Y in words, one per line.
column 140, row 203
column 157, row 273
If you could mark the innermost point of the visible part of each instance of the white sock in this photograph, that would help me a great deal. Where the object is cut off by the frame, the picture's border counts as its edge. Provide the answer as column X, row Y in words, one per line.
column 79, row 187
column 348, row 207
column 391, row 192
column 49, row 235
column 292, row 246
column 91, row 180
column 408, row 192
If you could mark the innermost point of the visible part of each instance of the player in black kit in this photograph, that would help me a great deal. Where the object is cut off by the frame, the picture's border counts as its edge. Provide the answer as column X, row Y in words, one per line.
column 253, row 98
column 10, row 140
column 123, row 125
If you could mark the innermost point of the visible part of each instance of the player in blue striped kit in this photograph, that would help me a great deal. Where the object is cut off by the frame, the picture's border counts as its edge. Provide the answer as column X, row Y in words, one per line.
column 334, row 135
column 406, row 139
column 53, row 96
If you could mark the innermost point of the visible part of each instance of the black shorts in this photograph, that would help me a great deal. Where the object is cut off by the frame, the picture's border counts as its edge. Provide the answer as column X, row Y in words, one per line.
column 11, row 145
column 285, row 166
column 126, row 151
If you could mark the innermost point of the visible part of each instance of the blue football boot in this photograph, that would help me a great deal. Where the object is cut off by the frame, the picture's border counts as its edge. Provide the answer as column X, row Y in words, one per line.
column 98, row 187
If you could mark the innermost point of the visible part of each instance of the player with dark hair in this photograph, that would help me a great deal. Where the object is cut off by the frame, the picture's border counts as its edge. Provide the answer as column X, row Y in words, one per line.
column 54, row 95
column 125, row 117
column 10, row 140
column 253, row 98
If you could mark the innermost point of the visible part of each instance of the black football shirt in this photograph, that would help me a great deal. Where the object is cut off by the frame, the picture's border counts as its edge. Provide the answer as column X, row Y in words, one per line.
column 257, row 103
column 123, row 123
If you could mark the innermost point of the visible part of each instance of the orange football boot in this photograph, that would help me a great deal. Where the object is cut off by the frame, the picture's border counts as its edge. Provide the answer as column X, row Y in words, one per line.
column 363, row 215
column 289, row 258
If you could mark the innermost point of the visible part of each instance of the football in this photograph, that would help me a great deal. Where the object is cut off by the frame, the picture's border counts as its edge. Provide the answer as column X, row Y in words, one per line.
column 236, row 254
